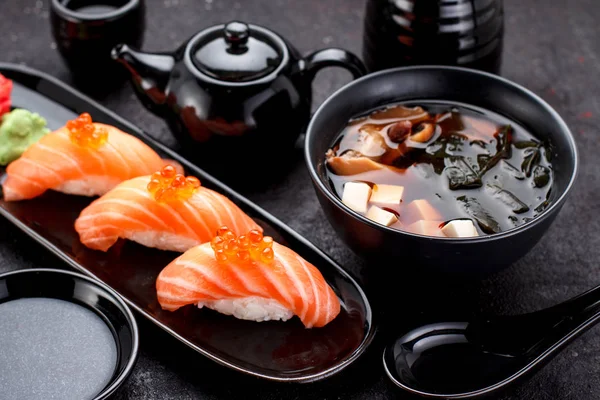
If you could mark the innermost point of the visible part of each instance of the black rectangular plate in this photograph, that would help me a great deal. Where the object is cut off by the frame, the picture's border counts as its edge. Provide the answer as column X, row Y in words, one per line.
column 281, row 351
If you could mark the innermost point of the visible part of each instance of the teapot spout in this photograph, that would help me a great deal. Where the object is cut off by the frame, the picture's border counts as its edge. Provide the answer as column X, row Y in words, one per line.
column 150, row 73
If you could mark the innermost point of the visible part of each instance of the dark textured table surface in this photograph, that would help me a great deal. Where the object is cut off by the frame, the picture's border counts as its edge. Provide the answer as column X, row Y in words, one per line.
column 551, row 48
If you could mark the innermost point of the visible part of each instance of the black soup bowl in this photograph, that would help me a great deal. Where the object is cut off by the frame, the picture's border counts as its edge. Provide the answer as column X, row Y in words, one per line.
column 404, row 251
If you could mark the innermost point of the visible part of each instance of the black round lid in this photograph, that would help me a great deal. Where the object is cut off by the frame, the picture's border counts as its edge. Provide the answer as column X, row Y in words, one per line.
column 236, row 54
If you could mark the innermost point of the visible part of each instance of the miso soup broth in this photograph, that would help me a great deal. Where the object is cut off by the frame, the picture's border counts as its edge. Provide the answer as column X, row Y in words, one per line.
column 441, row 169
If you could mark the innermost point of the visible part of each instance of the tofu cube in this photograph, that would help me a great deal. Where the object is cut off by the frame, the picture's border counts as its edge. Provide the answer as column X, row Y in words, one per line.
column 356, row 196
column 418, row 210
column 460, row 228
column 423, row 227
column 381, row 216
column 387, row 194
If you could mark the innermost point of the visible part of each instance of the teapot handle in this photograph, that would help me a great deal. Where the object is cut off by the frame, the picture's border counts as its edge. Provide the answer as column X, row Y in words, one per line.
column 333, row 57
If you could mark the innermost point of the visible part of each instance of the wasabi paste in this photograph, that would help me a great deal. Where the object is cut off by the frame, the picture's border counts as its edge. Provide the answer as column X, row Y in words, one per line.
column 19, row 130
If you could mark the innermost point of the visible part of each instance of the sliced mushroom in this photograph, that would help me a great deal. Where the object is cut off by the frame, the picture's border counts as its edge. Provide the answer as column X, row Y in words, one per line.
column 399, row 131
column 370, row 143
column 366, row 140
column 414, row 114
column 352, row 163
column 423, row 132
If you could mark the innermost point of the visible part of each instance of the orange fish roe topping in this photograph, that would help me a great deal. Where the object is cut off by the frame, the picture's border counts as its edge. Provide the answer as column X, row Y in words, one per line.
column 252, row 247
column 167, row 185
column 84, row 133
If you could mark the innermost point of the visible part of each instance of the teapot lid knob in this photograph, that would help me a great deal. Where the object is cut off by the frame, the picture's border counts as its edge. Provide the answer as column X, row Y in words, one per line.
column 236, row 52
column 236, row 33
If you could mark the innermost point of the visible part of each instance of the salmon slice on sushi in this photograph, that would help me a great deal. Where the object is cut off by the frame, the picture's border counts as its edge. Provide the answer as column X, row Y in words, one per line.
column 164, row 210
column 250, row 277
column 82, row 158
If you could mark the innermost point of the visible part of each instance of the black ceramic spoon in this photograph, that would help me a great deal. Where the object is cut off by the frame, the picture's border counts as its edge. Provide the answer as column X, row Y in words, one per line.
column 468, row 360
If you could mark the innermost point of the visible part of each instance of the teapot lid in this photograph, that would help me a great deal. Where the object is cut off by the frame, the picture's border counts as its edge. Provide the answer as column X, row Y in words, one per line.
column 236, row 52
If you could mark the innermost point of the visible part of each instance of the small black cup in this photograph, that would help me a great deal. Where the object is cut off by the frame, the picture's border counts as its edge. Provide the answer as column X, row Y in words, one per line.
column 85, row 32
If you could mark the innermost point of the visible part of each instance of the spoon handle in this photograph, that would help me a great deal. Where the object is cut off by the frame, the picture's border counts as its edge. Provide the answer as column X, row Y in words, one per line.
column 541, row 331
column 585, row 303
column 575, row 316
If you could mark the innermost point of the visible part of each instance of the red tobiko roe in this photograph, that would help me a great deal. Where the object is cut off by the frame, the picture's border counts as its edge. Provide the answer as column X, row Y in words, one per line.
column 5, row 91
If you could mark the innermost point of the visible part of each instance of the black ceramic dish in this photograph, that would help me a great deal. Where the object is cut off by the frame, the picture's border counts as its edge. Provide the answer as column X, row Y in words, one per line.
column 482, row 357
column 272, row 350
column 399, row 250
column 236, row 96
column 92, row 295
column 85, row 32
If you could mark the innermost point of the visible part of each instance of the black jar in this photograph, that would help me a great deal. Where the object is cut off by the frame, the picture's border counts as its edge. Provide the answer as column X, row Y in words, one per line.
column 467, row 33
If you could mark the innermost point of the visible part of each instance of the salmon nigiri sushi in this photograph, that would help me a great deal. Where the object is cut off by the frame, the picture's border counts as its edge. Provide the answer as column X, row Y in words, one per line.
column 82, row 158
column 250, row 277
column 165, row 210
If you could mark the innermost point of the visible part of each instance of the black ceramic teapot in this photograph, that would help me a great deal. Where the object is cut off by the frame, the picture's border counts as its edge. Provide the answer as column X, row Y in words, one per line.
column 234, row 95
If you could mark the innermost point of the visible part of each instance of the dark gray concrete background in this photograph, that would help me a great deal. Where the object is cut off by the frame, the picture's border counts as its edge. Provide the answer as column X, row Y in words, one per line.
column 551, row 47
